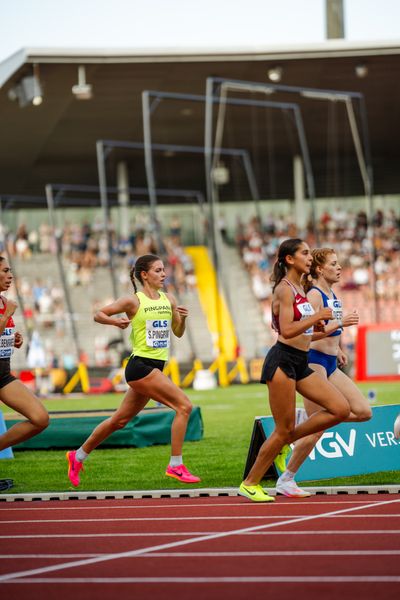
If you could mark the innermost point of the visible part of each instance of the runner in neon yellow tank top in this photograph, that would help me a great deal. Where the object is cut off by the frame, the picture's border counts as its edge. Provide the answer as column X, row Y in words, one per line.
column 152, row 314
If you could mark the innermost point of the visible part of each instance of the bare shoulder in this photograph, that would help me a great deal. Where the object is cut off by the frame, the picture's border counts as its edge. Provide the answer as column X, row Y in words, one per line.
column 283, row 291
column 314, row 296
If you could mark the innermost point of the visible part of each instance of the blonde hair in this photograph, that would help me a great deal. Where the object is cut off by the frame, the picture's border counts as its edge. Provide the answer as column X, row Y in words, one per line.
column 319, row 256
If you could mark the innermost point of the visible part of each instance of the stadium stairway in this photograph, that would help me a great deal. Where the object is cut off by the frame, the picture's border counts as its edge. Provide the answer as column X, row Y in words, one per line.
column 253, row 335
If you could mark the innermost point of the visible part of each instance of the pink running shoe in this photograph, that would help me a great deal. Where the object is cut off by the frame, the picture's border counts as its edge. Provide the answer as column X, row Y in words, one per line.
column 74, row 467
column 181, row 474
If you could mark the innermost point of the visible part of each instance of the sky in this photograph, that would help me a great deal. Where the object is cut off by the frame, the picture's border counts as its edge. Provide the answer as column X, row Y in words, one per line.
column 185, row 23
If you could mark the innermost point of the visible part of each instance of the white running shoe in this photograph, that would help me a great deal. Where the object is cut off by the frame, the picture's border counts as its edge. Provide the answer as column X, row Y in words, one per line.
column 291, row 489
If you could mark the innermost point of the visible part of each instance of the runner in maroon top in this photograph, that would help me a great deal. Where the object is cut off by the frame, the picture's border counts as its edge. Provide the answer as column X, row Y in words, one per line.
column 286, row 369
column 12, row 392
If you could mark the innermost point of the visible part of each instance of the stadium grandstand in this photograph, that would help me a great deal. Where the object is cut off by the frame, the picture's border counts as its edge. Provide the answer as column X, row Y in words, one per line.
column 114, row 142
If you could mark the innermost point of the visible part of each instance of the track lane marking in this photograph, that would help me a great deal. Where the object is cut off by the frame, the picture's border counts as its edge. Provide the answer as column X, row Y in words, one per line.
column 187, row 580
column 65, row 506
column 275, row 553
column 205, row 518
column 88, row 561
column 205, row 533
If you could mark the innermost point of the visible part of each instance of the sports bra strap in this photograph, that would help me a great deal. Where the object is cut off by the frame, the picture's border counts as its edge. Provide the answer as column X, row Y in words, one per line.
column 290, row 284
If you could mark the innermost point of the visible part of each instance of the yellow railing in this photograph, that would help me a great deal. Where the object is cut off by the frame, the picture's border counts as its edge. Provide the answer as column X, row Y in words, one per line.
column 213, row 303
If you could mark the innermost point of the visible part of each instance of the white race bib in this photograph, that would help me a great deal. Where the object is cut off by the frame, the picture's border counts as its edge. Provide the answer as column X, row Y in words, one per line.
column 336, row 306
column 7, row 339
column 157, row 333
column 306, row 310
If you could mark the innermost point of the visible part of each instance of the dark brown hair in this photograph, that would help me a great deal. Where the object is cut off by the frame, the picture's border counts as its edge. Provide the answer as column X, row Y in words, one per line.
column 287, row 248
column 143, row 263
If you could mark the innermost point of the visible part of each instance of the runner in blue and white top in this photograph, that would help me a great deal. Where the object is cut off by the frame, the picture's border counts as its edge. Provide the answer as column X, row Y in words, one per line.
column 324, row 357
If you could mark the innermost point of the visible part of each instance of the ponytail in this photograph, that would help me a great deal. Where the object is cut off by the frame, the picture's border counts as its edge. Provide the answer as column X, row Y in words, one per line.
column 143, row 263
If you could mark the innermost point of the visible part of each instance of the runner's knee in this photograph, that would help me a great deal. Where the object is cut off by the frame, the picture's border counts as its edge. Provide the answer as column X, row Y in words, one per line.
column 341, row 411
column 185, row 407
column 41, row 420
column 119, row 423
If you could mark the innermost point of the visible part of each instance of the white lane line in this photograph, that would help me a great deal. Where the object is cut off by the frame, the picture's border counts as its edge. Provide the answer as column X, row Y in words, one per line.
column 213, row 536
column 205, row 533
column 65, row 505
column 275, row 553
column 204, row 518
column 186, row 580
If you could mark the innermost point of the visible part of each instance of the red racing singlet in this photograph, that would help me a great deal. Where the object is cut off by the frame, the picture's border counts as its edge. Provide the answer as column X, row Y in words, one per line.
column 301, row 310
column 7, row 337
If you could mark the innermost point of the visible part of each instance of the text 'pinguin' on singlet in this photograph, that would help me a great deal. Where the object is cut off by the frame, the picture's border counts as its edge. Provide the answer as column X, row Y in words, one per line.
column 7, row 338
column 151, row 327
column 302, row 309
column 336, row 307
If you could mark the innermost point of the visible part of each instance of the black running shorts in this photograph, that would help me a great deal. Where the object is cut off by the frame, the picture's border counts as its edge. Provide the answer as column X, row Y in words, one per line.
column 140, row 366
column 5, row 375
column 293, row 362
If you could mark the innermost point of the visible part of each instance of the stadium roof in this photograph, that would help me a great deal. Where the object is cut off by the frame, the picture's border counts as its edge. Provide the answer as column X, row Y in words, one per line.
column 55, row 142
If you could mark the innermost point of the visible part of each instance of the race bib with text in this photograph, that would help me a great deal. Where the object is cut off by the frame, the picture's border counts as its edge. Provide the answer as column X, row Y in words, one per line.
column 158, row 333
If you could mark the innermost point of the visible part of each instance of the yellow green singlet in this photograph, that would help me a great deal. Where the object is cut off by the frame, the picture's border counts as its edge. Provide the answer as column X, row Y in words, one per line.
column 151, row 327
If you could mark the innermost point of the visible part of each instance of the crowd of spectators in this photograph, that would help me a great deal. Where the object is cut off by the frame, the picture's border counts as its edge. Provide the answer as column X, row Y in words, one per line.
column 369, row 253
column 85, row 250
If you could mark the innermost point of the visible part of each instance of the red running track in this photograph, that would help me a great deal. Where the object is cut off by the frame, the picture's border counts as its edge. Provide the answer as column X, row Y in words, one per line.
column 202, row 548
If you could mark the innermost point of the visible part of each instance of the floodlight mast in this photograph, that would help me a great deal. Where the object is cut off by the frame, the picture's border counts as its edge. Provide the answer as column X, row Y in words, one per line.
column 106, row 214
column 212, row 153
column 362, row 148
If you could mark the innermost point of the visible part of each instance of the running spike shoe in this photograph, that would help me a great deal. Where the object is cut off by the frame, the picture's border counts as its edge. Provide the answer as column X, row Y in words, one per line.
column 254, row 493
column 74, row 467
column 181, row 473
column 290, row 489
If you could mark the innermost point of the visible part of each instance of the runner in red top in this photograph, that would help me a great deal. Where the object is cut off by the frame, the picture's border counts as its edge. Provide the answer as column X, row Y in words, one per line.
column 286, row 369
column 12, row 392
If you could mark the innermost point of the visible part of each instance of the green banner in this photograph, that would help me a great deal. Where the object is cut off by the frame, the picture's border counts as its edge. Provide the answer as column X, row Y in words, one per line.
column 352, row 448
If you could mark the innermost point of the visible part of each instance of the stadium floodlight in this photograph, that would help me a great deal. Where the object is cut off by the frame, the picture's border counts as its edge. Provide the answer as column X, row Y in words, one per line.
column 275, row 74
column 361, row 71
column 82, row 90
column 28, row 90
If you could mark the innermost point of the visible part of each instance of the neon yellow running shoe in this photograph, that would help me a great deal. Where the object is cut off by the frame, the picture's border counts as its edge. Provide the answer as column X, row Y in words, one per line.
column 254, row 493
column 280, row 460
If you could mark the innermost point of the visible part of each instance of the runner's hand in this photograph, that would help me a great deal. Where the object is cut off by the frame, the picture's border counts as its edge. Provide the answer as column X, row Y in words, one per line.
column 352, row 318
column 182, row 311
column 18, row 340
column 122, row 322
column 325, row 314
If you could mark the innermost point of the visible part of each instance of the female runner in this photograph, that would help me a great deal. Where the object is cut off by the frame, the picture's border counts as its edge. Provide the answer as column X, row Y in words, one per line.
column 12, row 392
column 286, row 367
column 152, row 314
column 323, row 358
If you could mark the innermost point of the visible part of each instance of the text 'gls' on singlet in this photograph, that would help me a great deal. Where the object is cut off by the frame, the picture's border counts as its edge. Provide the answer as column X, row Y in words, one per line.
column 151, row 327
column 7, row 338
column 335, row 305
column 301, row 310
